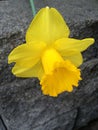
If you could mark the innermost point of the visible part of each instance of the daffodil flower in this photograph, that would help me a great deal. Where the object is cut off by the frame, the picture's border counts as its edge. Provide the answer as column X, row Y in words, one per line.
column 50, row 54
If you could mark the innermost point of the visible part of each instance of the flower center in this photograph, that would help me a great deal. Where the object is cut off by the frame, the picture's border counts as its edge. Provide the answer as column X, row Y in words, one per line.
column 49, row 58
column 59, row 75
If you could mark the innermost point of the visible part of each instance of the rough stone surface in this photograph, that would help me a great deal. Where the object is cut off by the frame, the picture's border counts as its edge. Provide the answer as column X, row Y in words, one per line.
column 22, row 105
column 2, row 125
column 92, row 126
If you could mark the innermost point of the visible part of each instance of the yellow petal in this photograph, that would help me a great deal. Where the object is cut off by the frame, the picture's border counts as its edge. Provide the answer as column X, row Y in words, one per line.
column 27, row 62
column 25, row 51
column 75, row 58
column 70, row 48
column 48, row 26
column 65, row 44
column 32, row 71
column 59, row 75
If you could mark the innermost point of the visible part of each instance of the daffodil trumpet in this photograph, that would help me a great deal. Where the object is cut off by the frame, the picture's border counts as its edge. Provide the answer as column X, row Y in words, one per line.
column 50, row 54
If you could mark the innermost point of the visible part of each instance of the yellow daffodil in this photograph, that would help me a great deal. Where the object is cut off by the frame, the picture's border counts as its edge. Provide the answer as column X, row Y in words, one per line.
column 50, row 54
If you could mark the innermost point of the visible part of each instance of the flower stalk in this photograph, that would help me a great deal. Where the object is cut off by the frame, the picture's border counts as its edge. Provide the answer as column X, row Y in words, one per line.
column 33, row 7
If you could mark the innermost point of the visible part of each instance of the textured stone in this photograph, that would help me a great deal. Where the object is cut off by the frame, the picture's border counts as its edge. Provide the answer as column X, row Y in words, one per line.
column 91, row 126
column 2, row 125
column 22, row 104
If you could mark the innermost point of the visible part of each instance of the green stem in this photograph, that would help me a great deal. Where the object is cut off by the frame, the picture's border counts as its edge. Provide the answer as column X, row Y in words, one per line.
column 33, row 7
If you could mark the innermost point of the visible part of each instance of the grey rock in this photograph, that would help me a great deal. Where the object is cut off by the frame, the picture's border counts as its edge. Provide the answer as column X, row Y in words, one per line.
column 22, row 104
column 93, row 125
column 2, row 125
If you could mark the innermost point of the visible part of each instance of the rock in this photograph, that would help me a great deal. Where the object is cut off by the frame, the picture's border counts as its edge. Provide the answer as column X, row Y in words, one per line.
column 2, row 125
column 22, row 104
column 91, row 126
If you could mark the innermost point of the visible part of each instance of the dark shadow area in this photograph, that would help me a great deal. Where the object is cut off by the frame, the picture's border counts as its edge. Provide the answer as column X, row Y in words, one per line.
column 91, row 126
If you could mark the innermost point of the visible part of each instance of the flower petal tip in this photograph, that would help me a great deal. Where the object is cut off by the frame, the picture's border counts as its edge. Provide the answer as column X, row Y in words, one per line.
column 47, row 7
column 91, row 40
